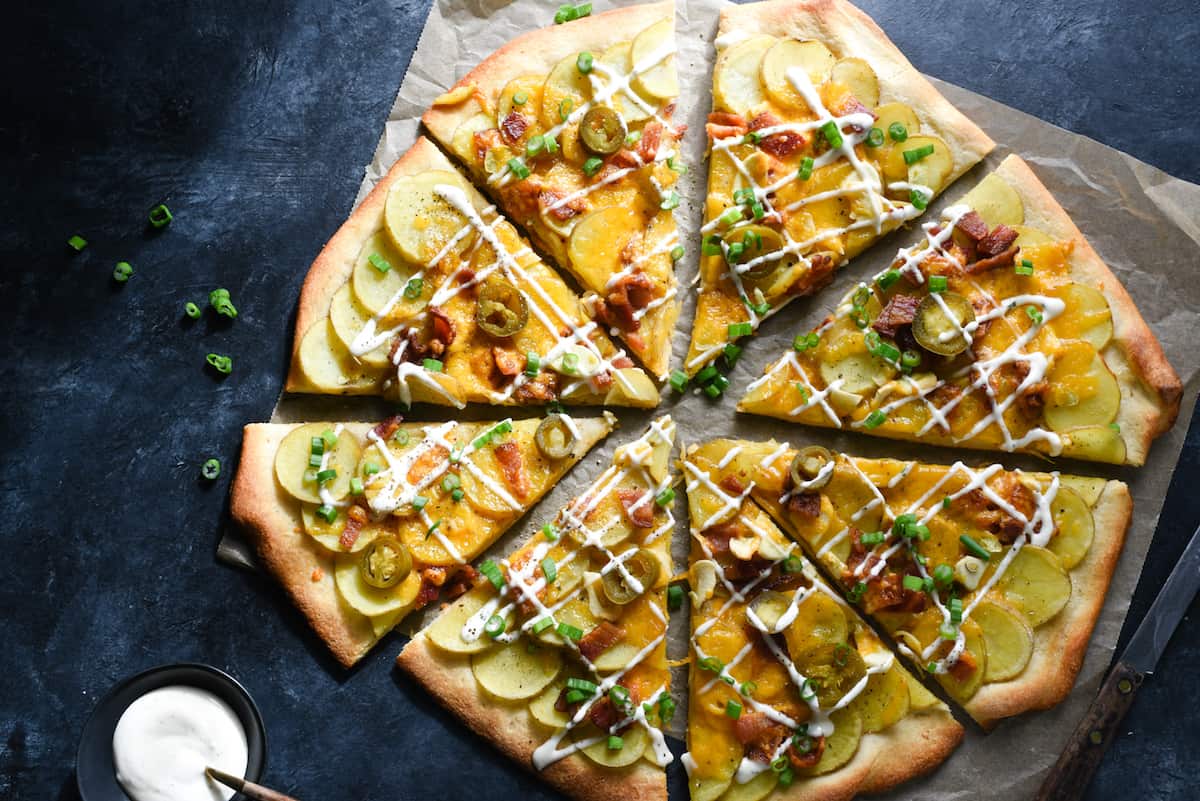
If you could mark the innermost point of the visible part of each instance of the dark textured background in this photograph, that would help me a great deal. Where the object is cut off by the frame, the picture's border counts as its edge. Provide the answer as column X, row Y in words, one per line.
column 253, row 120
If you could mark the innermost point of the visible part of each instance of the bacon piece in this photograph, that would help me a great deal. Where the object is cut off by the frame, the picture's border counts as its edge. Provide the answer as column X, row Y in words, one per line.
column 820, row 273
column 426, row 463
column 991, row 517
column 732, row 485
column 622, row 361
column 805, row 504
column 1032, row 400
column 848, row 104
column 724, row 124
column 464, row 579
column 602, row 380
column 625, row 159
column 508, row 362
column 900, row 311
column 564, row 211
column 600, row 639
column 512, row 465
column 513, row 127
column 815, row 751
column 641, row 515
column 972, row 226
column 998, row 240
column 783, row 144
column 763, row 119
column 647, row 147
column 356, row 518
column 888, row 592
column 759, row 735
column 465, row 275
column 630, row 294
column 442, row 331
column 541, row 389
column 964, row 667
column 484, row 141
column 432, row 579
column 1004, row 258
column 385, row 429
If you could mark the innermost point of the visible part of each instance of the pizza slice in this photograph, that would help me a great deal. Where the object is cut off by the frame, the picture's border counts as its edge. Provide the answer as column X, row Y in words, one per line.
column 559, row 657
column 569, row 128
column 989, row 580
column 427, row 294
column 1001, row 329
column 363, row 524
column 823, row 138
column 792, row 693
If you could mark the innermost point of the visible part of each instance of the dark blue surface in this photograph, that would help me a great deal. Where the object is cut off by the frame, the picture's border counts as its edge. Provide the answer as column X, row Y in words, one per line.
column 109, row 533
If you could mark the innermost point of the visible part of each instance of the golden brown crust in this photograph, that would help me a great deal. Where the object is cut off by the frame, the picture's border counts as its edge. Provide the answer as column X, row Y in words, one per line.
column 847, row 31
column 265, row 513
column 1152, row 390
column 1059, row 645
column 448, row 678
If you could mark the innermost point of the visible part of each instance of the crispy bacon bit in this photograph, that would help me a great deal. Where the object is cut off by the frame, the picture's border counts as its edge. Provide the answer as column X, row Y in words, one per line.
column 635, row 341
column 1005, row 258
column 998, row 240
column 1032, row 400
column 385, row 429
column 547, row 199
column 848, row 104
column 508, row 362
column 900, row 311
column 732, row 485
column 484, row 141
column 541, row 389
column 513, row 127
column 759, row 735
column 668, row 110
column 464, row 579
column 432, row 579
column 888, row 592
column 820, row 273
column 317, row 574
column 724, row 124
column 426, row 463
column 356, row 518
column 763, row 119
column 465, row 275
column 630, row 294
column 432, row 341
column 622, row 361
column 600, row 639
column 805, row 504
column 647, row 146
column 964, row 667
column 602, row 380
column 640, row 514
column 991, row 517
column 815, row 751
column 512, row 465
column 784, row 143
column 625, row 159
column 972, row 226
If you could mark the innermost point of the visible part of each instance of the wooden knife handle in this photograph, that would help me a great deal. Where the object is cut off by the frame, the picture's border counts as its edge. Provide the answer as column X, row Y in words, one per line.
column 1069, row 777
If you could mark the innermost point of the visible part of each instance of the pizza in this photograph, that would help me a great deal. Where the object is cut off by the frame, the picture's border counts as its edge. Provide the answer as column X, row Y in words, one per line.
column 989, row 580
column 427, row 294
column 1000, row 329
column 823, row 138
column 364, row 524
column 569, row 128
column 792, row 693
column 559, row 656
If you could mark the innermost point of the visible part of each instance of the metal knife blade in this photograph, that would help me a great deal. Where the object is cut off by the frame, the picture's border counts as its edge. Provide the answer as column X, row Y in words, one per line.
column 1155, row 630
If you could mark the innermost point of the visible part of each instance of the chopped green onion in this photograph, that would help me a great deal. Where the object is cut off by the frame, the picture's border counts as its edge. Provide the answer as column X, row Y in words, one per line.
column 583, row 685
column 902, row 523
column 793, row 564
column 943, row 575
column 743, row 195
column 748, row 688
column 734, row 252
column 974, row 548
column 665, row 498
column 808, row 690
column 327, row 513
column 875, row 137
column 841, row 654
column 1115, row 427
column 615, row 743
column 1034, row 314
column 541, row 624
column 873, row 538
column 222, row 364
column 592, row 166
column 806, row 168
column 711, row 664
column 356, row 486
column 576, row 696
column 457, row 494
column 492, row 571
column 380, row 264
column 532, row 364
column 786, row 777
column 856, row 592
column 731, row 216
column 779, row 764
column 122, row 272
column 414, row 288
column 736, row 330
column 713, row 391
column 666, row 708
column 584, row 62
column 314, row 461
column 711, row 246
column 632, row 138
column 450, row 482
column 918, row 199
column 517, row 167
column 570, row 362
column 733, row 709
column 946, row 502
column 671, row 201
column 832, row 134
column 570, row 632
column 677, row 253
column 898, row 132
column 679, row 380
column 211, row 469
column 160, row 216
column 913, row 583
column 494, row 626
column 875, row 419
column 550, row 532
column 191, row 310
column 956, row 610
column 888, row 278
column 549, row 144
column 1025, row 267
column 947, row 631
column 401, row 437
column 731, row 353
column 917, row 153
column 619, row 696
column 674, row 597
column 325, row 476
column 938, row 283
column 219, row 300
column 534, row 146
column 707, row 374
column 328, row 438
column 77, row 243
column 909, row 359
column 803, row 390
column 549, row 570
column 432, row 365
column 520, row 99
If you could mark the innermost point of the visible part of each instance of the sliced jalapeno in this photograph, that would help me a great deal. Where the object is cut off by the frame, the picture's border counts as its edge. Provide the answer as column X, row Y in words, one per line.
column 385, row 563
column 833, row 670
column 601, row 131
column 937, row 326
column 807, row 466
column 757, row 241
column 501, row 309
column 642, row 566
column 769, row 606
column 554, row 437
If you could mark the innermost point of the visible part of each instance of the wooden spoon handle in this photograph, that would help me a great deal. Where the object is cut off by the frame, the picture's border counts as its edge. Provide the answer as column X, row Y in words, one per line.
column 1069, row 777
column 248, row 789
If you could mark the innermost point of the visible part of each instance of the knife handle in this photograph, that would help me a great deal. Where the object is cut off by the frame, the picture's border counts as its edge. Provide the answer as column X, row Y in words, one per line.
column 1069, row 778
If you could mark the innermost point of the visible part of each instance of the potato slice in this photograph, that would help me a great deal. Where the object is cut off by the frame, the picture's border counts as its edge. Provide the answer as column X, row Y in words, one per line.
column 1086, row 487
column 575, row 612
column 462, row 143
column 330, row 534
column 542, row 708
column 460, row 525
column 528, row 85
column 1036, row 584
column 618, row 657
column 996, row 202
column 1086, row 317
column 634, row 742
column 1075, row 527
column 292, row 461
column 884, row 700
column 446, row 631
column 737, row 86
column 383, row 292
column 1098, row 443
column 514, row 672
column 841, row 745
column 819, row 621
column 597, row 241
column 812, row 56
column 655, row 75
column 368, row 600
column 931, row 171
column 617, row 58
column 327, row 366
column 348, row 318
column 1008, row 637
column 481, row 494
column 857, row 76
column 976, row 646
column 418, row 220
column 1083, row 391
column 890, row 113
column 857, row 372
column 919, row 697
column 632, row 387
column 754, row 790
column 707, row 789
column 566, row 90
column 1028, row 237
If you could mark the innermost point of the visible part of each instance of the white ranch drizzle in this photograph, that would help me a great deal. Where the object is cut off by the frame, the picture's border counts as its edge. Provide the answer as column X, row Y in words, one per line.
column 524, row 587
column 323, row 491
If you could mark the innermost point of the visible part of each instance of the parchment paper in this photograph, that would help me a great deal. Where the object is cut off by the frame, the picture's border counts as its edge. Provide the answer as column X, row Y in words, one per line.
column 1144, row 223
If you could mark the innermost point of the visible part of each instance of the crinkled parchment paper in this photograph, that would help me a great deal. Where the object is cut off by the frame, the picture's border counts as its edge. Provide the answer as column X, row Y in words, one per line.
column 1144, row 223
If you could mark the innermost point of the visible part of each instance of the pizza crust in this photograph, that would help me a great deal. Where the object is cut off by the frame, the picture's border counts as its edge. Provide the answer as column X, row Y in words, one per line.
column 1151, row 390
column 1060, row 644
column 266, row 513
column 847, row 31
column 448, row 678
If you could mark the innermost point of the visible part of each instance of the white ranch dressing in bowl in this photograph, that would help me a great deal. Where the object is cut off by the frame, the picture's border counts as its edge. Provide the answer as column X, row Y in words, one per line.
column 166, row 738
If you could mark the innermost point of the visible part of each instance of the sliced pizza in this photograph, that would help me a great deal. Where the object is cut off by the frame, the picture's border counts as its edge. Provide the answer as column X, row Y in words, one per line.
column 823, row 138
column 989, row 580
column 363, row 524
column 1001, row 329
column 569, row 128
column 427, row 294
column 559, row 657
column 792, row 693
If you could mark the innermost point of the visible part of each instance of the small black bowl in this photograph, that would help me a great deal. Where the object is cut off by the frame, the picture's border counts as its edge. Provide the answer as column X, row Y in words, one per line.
column 94, row 770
